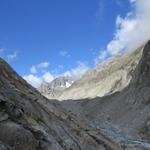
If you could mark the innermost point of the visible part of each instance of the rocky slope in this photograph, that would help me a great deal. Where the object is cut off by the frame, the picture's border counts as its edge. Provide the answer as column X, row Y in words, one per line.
column 28, row 121
column 124, row 114
column 118, row 121
column 55, row 88
column 106, row 78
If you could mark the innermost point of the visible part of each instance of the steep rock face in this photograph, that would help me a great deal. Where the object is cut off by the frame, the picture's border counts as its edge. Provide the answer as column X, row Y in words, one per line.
column 127, row 110
column 55, row 88
column 111, row 76
column 28, row 121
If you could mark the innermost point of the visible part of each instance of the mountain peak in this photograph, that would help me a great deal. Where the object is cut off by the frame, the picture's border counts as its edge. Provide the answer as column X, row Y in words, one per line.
column 54, row 89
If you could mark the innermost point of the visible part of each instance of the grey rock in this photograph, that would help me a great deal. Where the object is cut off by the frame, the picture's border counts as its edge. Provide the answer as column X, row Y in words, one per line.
column 3, row 116
column 4, row 147
column 17, row 137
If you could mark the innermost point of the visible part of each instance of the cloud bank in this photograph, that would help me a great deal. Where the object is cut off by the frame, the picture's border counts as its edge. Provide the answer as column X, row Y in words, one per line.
column 34, row 78
column 37, row 76
column 131, row 31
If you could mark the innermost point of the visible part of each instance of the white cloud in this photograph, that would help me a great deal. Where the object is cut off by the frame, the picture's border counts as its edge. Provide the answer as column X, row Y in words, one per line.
column 138, row 24
column 43, row 65
column 124, row 30
column 41, row 75
column 47, row 77
column 33, row 80
column 78, row 71
column 133, row 30
column 36, row 81
column 64, row 54
column 12, row 56
column 35, row 68
column 7, row 55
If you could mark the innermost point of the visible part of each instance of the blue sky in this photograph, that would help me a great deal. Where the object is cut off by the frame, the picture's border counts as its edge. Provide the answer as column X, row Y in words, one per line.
column 67, row 35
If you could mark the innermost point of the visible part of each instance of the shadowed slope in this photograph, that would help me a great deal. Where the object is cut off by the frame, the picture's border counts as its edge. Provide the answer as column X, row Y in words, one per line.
column 28, row 121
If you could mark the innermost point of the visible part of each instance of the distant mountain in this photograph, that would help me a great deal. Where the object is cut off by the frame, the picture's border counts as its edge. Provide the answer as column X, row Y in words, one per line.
column 55, row 88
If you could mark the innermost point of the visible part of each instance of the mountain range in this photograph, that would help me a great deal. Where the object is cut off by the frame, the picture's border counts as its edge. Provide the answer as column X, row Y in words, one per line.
column 115, row 117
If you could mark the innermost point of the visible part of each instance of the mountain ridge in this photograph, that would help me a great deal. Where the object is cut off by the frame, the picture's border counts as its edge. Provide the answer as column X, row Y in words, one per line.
column 117, row 121
column 107, row 77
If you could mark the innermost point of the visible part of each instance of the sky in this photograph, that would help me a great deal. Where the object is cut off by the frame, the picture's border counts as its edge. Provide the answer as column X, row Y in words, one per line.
column 44, row 39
